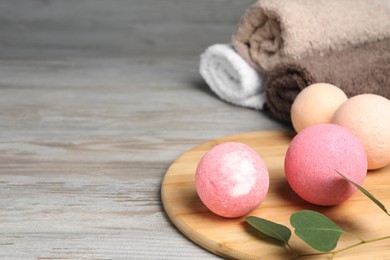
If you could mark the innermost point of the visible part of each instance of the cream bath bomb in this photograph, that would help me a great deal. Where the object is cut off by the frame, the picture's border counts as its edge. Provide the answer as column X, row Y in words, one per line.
column 368, row 117
column 231, row 179
column 313, row 157
column 316, row 104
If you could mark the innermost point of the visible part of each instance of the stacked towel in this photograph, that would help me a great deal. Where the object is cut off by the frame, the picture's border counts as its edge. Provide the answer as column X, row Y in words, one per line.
column 358, row 70
column 294, row 43
column 231, row 77
column 276, row 31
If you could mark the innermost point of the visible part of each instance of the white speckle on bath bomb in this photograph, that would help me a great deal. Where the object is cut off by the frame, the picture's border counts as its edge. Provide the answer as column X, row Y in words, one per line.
column 231, row 179
column 316, row 104
column 313, row 157
column 368, row 117
column 243, row 174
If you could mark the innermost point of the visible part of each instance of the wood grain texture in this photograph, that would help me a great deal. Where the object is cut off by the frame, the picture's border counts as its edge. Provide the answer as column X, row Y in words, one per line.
column 97, row 99
column 84, row 145
column 115, row 28
column 234, row 238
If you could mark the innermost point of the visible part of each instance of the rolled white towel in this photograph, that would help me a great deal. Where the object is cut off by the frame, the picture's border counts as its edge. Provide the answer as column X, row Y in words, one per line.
column 231, row 77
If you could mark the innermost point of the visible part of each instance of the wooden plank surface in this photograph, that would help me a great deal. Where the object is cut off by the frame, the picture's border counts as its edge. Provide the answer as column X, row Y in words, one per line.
column 115, row 28
column 97, row 99
column 84, row 146
column 234, row 238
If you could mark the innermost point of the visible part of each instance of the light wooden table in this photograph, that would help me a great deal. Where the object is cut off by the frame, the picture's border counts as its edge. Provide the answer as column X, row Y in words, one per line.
column 97, row 98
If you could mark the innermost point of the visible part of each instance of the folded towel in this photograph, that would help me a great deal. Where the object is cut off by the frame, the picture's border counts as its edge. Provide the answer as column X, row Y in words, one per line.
column 358, row 70
column 231, row 78
column 275, row 31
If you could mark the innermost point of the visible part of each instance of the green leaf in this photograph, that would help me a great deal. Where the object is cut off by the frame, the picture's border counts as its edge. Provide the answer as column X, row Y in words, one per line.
column 269, row 228
column 316, row 230
column 365, row 192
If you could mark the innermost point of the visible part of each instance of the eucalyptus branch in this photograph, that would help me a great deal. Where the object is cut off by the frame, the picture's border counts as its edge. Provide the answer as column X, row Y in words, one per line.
column 314, row 228
column 333, row 253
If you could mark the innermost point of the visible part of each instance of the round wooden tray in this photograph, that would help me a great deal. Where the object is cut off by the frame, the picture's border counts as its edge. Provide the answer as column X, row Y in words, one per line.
column 234, row 238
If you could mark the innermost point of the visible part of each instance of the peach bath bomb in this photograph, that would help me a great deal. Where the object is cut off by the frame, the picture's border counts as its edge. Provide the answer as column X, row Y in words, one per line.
column 231, row 179
column 313, row 157
column 316, row 104
column 368, row 117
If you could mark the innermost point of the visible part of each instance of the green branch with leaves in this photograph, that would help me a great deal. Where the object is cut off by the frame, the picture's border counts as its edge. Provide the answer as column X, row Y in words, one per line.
column 314, row 228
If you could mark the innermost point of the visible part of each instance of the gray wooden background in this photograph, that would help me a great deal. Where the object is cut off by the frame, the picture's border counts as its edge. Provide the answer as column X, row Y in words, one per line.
column 97, row 98
column 115, row 28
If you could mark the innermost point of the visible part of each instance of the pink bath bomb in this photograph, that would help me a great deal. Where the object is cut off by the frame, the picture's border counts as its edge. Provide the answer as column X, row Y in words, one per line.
column 231, row 179
column 314, row 156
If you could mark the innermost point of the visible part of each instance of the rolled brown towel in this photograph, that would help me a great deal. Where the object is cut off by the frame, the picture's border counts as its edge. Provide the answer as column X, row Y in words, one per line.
column 276, row 31
column 357, row 70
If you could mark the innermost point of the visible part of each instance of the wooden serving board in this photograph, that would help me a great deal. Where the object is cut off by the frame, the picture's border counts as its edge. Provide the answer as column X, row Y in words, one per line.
column 234, row 238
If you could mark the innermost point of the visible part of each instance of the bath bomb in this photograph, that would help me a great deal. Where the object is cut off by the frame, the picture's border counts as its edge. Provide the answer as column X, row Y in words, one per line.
column 313, row 157
column 231, row 179
column 316, row 104
column 368, row 117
